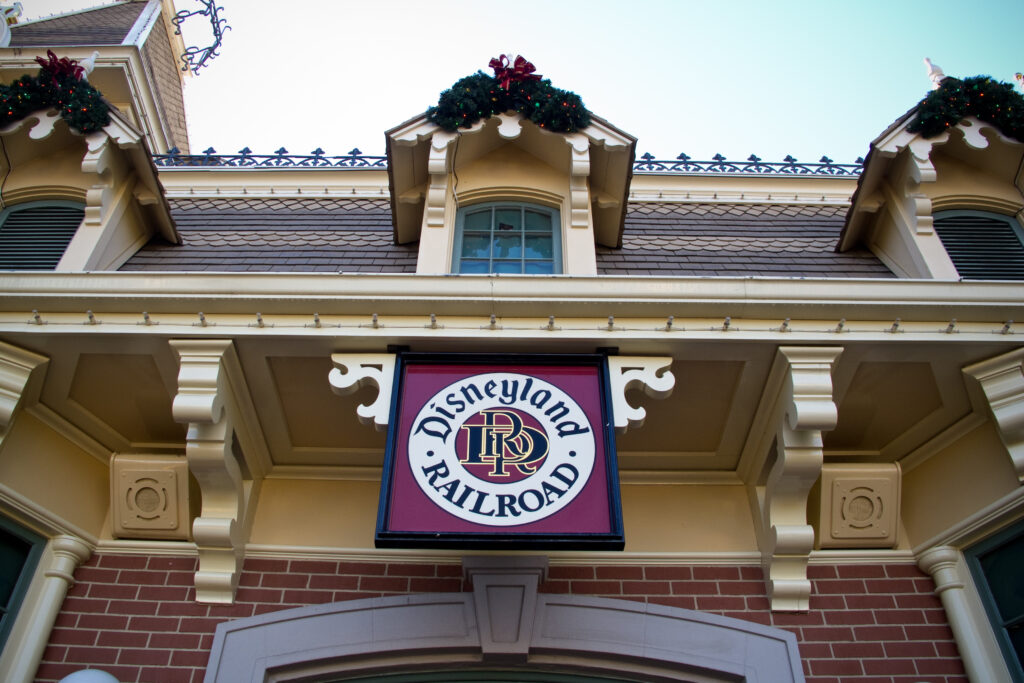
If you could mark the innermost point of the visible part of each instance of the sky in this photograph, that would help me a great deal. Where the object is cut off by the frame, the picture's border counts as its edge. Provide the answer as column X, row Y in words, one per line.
column 701, row 77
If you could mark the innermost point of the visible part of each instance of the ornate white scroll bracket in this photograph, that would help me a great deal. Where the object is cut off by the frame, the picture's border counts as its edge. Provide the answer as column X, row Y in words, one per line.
column 218, row 534
column 353, row 371
column 649, row 373
column 803, row 409
column 1002, row 380
column 21, row 374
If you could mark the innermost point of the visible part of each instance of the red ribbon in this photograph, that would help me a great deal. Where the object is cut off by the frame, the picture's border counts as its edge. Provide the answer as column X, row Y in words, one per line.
column 505, row 73
column 60, row 68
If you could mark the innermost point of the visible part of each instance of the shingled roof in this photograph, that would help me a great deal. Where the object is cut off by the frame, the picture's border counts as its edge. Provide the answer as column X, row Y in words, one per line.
column 354, row 235
column 108, row 25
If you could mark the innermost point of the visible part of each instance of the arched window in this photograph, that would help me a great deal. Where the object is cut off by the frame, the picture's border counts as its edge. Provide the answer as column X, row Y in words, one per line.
column 982, row 245
column 34, row 235
column 507, row 237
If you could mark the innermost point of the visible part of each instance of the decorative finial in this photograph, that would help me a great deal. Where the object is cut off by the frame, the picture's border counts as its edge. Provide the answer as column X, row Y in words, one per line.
column 89, row 63
column 935, row 73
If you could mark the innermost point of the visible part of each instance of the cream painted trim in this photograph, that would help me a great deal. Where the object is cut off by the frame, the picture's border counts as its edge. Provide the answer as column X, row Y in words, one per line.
column 947, row 437
column 353, row 371
column 1002, row 380
column 143, row 24
column 985, row 521
column 979, row 651
column 46, row 593
column 742, row 189
column 637, row 372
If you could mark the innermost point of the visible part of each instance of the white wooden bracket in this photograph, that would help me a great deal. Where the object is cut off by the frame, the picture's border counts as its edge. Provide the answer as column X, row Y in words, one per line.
column 649, row 373
column 1002, row 380
column 353, row 371
column 803, row 409
column 21, row 379
column 204, row 392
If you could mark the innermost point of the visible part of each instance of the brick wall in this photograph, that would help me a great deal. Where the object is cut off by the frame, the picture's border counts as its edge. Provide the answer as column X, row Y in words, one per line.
column 136, row 617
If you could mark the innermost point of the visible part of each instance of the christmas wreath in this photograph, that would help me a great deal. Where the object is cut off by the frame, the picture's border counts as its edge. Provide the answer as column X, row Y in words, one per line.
column 514, row 87
column 980, row 96
column 60, row 85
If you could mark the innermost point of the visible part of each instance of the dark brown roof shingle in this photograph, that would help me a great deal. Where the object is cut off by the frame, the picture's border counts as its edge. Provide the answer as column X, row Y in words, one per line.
column 106, row 25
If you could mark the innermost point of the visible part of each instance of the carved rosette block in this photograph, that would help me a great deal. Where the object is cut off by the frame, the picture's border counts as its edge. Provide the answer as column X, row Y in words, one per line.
column 200, row 403
column 1002, row 380
column 806, row 410
column 637, row 372
column 149, row 497
column 860, row 505
column 353, row 371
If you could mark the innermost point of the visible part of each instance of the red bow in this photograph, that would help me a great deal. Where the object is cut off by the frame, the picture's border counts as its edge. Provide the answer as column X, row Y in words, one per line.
column 60, row 68
column 522, row 70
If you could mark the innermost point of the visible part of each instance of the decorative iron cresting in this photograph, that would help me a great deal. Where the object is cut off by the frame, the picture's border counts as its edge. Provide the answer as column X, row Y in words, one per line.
column 682, row 164
column 195, row 58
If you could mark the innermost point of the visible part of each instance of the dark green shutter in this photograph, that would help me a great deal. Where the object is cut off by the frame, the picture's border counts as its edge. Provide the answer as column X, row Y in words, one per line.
column 982, row 246
column 35, row 236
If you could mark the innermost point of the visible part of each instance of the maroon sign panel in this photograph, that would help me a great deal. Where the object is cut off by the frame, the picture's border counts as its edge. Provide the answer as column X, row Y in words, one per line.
column 500, row 452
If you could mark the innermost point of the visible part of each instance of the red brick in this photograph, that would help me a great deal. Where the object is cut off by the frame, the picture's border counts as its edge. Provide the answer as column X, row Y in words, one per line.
column 900, row 616
column 434, row 585
column 181, row 578
column 946, row 649
column 449, row 570
column 647, row 587
column 122, row 639
column 65, row 620
column 391, row 584
column 838, row 586
column 570, row 572
column 716, row 573
column 91, row 655
column 860, row 571
column 165, row 675
column 182, row 609
column 924, row 585
column 262, row 595
column 632, row 573
column 411, row 570
column 935, row 616
column 110, row 591
column 85, row 605
column 821, row 571
column 123, row 561
column 55, row 653
column 173, row 563
column 95, row 575
column 230, row 611
column 836, row 667
column 870, row 602
column 313, row 567
column 148, row 657
column 857, row 650
column 264, row 609
column 285, row 581
column 851, row 617
column 121, row 672
column 198, row 625
column 78, row 590
column 175, row 641
column 760, row 603
column 903, row 571
column 719, row 603
column 132, row 607
column 741, row 587
column 560, row 587
column 694, row 588
column 890, row 667
column 890, row 585
column 340, row 596
column 72, row 636
column 919, row 601
column 165, row 593
column 596, row 587
column 668, row 573
column 866, row 633
column 103, row 622
column 686, row 602
column 752, row 574
column 797, row 618
column 950, row 667
column 828, row 602
column 187, row 658
column 154, row 623
column 367, row 568
column 815, row 651
column 826, row 634
column 303, row 597
column 912, row 650
column 249, row 579
column 260, row 565
column 143, row 577
column 52, row 671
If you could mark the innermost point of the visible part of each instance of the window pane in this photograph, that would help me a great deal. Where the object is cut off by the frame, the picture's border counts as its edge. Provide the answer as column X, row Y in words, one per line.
column 539, row 247
column 507, row 220
column 508, row 246
column 13, row 553
column 473, row 267
column 508, row 266
column 1003, row 569
column 538, row 221
column 478, row 220
column 476, row 245
column 539, row 267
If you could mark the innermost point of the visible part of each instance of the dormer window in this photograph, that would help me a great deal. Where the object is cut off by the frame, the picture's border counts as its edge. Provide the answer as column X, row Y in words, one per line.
column 508, row 238
column 982, row 245
column 34, row 235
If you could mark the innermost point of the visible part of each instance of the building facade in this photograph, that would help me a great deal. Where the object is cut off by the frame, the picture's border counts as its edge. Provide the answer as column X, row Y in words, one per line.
column 813, row 371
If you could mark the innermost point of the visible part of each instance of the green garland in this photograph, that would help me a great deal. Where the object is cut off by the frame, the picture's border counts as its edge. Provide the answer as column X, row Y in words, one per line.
column 480, row 96
column 980, row 96
column 79, row 104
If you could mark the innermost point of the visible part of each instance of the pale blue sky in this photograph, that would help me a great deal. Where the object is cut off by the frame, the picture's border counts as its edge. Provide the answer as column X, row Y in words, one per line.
column 805, row 78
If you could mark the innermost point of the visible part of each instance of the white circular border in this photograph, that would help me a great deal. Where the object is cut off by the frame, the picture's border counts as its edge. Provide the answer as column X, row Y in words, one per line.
column 583, row 444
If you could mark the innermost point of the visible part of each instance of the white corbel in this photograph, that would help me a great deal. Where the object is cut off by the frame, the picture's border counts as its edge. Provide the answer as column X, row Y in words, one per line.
column 649, row 373
column 21, row 374
column 438, row 168
column 353, row 371
column 1002, row 380
column 218, row 531
column 804, row 409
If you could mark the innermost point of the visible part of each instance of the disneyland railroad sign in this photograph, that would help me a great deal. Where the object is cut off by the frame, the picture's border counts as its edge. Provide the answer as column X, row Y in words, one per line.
column 501, row 452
